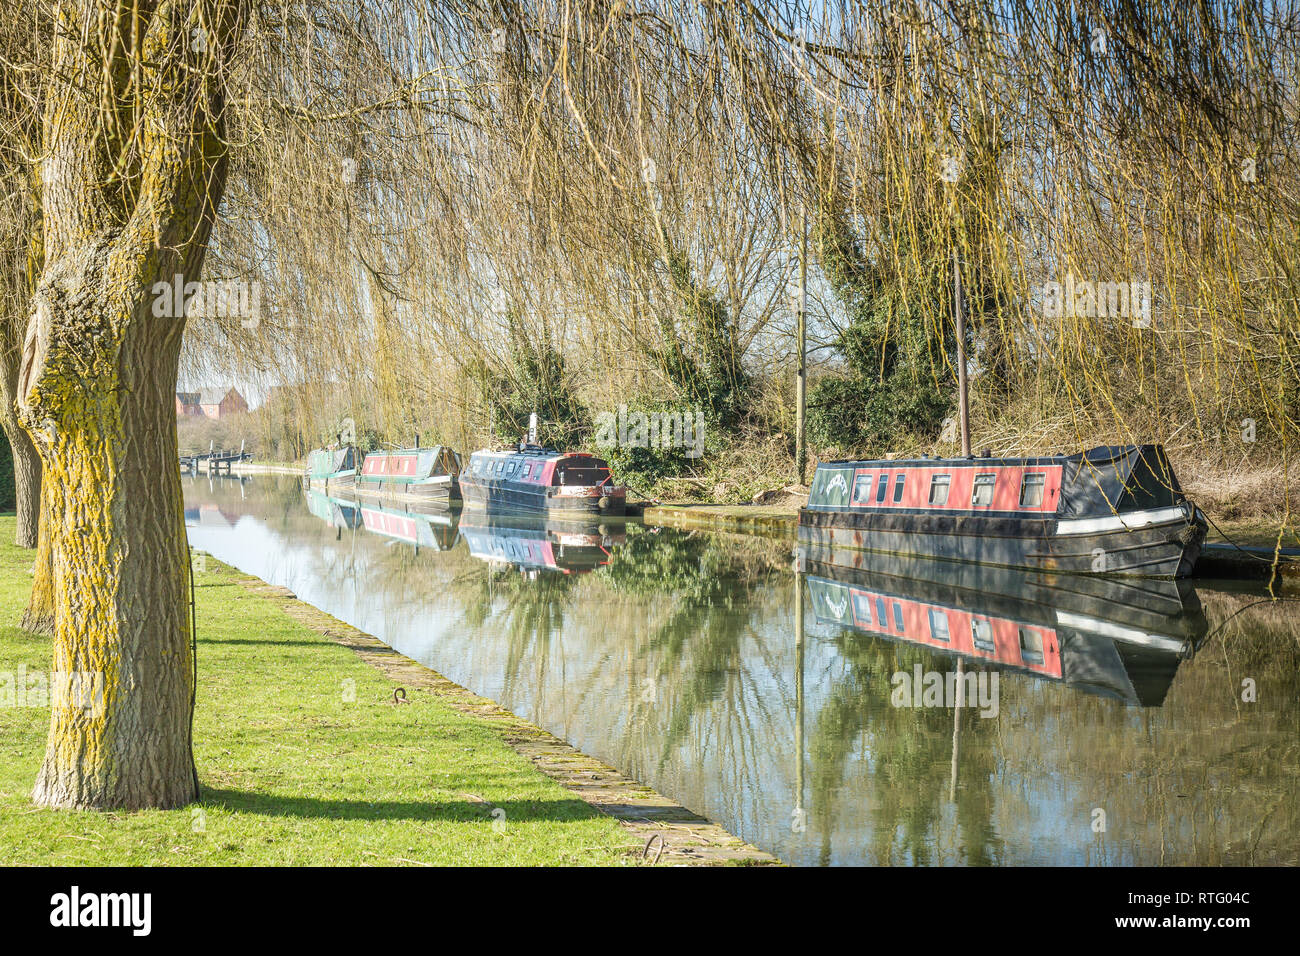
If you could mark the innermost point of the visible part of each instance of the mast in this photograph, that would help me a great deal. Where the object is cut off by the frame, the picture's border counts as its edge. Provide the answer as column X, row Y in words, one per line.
column 801, row 369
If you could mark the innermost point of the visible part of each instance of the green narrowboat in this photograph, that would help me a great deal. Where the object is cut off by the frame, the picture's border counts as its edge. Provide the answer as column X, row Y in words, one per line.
column 332, row 469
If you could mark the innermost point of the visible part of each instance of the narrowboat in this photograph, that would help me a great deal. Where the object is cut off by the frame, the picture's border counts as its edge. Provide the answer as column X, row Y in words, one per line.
column 417, row 473
column 1110, row 510
column 1095, row 636
column 332, row 469
column 534, row 543
column 533, row 478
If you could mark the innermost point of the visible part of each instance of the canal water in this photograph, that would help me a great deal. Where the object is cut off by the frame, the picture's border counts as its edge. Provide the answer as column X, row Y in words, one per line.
column 812, row 708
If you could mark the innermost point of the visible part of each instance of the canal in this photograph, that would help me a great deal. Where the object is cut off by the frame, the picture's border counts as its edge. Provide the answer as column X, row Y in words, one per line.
column 812, row 713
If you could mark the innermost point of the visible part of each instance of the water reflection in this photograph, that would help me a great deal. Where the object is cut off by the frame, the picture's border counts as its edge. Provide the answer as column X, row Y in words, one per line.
column 702, row 665
column 1118, row 638
column 534, row 543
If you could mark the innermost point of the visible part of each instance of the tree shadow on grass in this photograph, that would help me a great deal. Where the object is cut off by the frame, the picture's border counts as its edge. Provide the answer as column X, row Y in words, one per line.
column 262, row 642
column 457, row 811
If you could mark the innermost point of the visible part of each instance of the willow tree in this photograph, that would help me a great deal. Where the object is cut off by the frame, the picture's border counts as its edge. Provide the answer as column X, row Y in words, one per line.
column 134, row 164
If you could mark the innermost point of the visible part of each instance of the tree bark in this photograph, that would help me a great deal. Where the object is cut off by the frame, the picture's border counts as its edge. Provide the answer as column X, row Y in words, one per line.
column 27, row 483
column 134, row 166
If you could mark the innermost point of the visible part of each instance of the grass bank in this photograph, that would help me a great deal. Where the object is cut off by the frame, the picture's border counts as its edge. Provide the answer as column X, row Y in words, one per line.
column 293, row 769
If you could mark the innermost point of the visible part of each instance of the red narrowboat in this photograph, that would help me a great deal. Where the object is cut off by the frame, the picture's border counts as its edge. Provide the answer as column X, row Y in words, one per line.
column 533, row 478
column 1110, row 510
column 424, row 474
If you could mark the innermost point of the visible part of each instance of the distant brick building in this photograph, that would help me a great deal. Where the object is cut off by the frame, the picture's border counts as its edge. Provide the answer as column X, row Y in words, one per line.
column 210, row 403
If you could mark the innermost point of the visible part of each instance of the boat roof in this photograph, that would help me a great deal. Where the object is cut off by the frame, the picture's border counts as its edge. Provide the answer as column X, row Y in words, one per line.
column 405, row 451
column 530, row 451
column 1098, row 455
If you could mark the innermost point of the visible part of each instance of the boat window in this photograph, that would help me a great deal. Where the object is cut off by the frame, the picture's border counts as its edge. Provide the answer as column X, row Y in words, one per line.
column 939, row 489
column 583, row 476
column 1031, row 490
column 862, row 488
column 981, row 635
column 881, row 488
column 862, row 609
column 938, row 625
column 982, row 496
column 898, row 488
column 881, row 618
column 898, row 617
column 1031, row 646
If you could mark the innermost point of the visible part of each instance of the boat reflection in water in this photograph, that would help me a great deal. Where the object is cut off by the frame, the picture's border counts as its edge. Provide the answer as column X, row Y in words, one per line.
column 336, row 512
column 1118, row 638
column 424, row 525
column 535, row 542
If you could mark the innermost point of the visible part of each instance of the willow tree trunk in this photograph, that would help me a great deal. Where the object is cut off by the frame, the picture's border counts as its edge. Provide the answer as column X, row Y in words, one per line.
column 134, row 166
column 27, row 461
column 120, row 737
column 27, row 483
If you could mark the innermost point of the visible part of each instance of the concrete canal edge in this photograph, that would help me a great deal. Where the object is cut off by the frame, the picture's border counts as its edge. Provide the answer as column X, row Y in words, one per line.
column 267, row 468
column 660, row 830
column 781, row 523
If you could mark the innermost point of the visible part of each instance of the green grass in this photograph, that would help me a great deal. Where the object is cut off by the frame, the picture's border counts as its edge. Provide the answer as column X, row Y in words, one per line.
column 290, row 772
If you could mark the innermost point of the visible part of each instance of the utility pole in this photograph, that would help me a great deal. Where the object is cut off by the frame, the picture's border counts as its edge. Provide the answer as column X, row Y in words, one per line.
column 801, row 369
column 963, row 404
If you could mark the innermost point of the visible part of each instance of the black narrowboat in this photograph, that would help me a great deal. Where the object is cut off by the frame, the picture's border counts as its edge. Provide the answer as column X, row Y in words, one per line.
column 533, row 478
column 1110, row 510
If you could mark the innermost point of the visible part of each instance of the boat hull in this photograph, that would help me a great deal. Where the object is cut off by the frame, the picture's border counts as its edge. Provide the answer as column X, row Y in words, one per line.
column 447, row 491
column 516, row 496
column 330, row 483
column 1158, row 543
